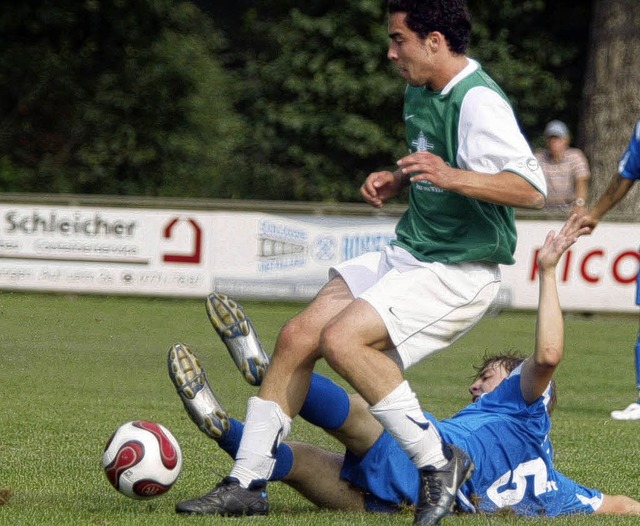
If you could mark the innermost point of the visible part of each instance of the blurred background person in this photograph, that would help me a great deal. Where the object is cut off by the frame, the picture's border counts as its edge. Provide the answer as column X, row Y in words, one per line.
column 565, row 168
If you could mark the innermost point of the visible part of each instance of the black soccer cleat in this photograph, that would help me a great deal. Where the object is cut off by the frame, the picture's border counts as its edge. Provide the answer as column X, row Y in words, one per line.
column 438, row 487
column 229, row 499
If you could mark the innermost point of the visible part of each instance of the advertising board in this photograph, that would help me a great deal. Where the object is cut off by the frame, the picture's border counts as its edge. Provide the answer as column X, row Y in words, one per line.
column 258, row 255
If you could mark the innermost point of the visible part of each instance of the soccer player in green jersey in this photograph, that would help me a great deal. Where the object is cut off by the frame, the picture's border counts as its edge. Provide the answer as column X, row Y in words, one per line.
column 383, row 312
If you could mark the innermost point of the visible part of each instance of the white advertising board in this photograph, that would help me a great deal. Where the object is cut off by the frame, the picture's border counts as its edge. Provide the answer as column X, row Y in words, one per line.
column 598, row 273
column 267, row 256
column 103, row 251
column 289, row 257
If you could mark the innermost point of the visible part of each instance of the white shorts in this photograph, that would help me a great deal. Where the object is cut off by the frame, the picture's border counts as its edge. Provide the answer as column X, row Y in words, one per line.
column 424, row 306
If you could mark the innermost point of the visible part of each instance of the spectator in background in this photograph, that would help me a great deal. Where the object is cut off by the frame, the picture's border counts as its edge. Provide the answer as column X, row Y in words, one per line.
column 628, row 173
column 566, row 170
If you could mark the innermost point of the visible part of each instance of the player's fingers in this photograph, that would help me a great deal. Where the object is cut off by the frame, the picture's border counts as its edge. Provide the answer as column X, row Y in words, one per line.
column 414, row 168
column 413, row 158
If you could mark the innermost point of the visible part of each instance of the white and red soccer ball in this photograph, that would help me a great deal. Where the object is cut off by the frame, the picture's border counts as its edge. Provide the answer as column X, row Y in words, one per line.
column 142, row 459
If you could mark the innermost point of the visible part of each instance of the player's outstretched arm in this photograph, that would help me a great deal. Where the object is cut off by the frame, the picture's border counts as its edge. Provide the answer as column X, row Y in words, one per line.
column 538, row 369
column 617, row 189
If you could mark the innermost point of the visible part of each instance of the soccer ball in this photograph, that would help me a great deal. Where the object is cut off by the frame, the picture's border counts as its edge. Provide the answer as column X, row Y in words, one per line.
column 142, row 459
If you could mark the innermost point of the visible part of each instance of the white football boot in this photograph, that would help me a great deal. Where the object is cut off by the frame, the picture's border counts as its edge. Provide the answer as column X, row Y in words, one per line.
column 631, row 412
column 238, row 334
column 190, row 380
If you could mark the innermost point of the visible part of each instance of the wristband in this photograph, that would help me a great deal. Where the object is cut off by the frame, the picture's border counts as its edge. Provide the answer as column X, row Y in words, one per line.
column 579, row 201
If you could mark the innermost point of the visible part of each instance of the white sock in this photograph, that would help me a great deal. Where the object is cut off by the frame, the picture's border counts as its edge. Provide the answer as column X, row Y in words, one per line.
column 266, row 425
column 400, row 414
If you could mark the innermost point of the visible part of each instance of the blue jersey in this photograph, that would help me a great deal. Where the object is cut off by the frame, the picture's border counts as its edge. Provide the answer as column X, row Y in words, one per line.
column 509, row 444
column 508, row 441
column 629, row 166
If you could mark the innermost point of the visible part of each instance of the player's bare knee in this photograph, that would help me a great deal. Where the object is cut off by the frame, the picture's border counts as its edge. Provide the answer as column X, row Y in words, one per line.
column 332, row 345
column 297, row 338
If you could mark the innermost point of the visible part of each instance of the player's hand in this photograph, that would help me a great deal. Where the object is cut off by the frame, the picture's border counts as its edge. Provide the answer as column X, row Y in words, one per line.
column 585, row 216
column 379, row 187
column 557, row 244
column 425, row 166
column 588, row 221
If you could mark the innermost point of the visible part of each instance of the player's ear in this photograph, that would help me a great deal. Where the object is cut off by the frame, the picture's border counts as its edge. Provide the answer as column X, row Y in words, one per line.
column 435, row 40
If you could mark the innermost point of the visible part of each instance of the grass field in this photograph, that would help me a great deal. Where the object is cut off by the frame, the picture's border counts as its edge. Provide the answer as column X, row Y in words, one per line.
column 73, row 368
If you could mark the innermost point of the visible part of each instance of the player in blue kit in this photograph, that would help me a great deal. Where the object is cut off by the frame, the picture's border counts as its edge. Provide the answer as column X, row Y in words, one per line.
column 628, row 173
column 504, row 430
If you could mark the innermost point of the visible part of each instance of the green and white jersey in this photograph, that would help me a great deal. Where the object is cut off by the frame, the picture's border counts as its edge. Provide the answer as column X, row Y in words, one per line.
column 471, row 125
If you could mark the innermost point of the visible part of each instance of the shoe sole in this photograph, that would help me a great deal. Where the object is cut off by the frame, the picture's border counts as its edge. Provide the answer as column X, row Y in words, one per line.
column 190, row 380
column 239, row 336
column 625, row 417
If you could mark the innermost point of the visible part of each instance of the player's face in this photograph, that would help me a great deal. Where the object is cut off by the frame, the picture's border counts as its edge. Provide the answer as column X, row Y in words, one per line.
column 557, row 145
column 487, row 380
column 409, row 52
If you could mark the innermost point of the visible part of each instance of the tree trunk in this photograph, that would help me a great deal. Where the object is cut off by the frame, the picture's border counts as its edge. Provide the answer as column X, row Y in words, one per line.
column 612, row 96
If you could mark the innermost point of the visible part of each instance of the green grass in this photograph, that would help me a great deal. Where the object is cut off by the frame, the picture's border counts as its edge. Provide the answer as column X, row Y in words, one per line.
column 73, row 368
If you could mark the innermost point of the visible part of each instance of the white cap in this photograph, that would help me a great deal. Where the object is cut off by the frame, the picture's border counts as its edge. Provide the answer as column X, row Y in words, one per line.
column 556, row 129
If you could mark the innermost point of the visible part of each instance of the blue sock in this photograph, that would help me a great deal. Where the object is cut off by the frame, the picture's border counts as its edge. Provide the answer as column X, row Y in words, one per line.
column 323, row 393
column 326, row 405
column 284, row 462
column 230, row 441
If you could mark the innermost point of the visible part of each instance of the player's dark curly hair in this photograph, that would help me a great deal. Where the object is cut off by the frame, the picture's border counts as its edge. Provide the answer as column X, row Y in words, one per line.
column 449, row 17
column 510, row 360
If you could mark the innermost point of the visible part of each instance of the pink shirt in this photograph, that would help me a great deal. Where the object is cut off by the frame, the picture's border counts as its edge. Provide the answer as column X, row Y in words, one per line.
column 561, row 176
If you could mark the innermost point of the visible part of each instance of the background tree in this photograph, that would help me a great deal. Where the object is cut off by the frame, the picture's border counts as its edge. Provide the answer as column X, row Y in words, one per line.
column 612, row 94
column 270, row 99
column 324, row 102
column 321, row 98
column 113, row 97
column 536, row 50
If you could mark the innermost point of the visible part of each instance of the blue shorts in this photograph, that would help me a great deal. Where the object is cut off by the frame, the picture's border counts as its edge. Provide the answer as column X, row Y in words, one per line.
column 386, row 475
